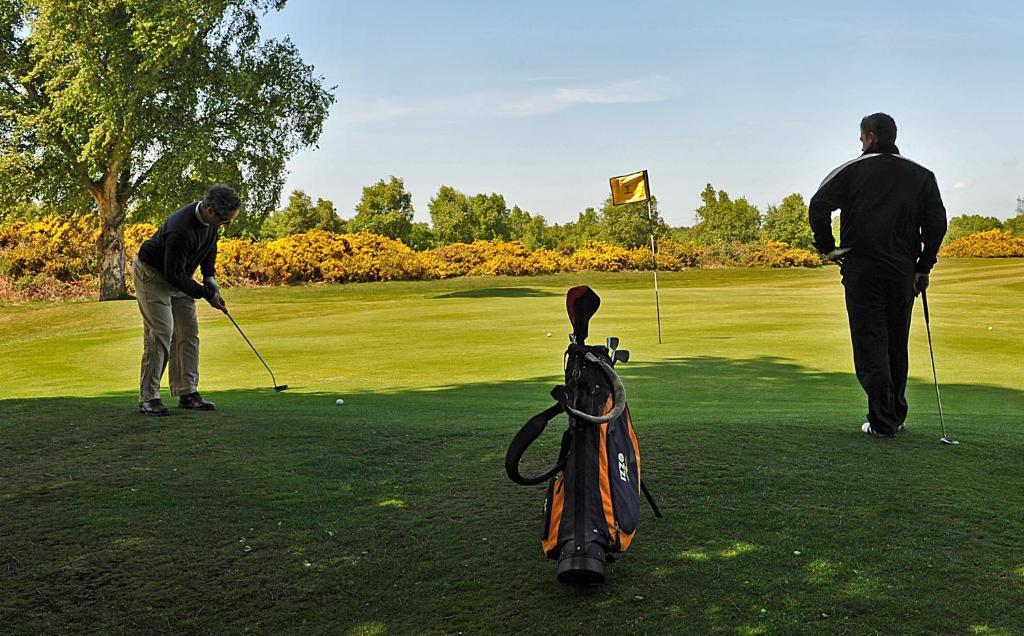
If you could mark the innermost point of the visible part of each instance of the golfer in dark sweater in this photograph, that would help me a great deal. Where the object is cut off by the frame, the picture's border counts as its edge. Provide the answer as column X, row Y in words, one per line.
column 891, row 225
column 166, row 291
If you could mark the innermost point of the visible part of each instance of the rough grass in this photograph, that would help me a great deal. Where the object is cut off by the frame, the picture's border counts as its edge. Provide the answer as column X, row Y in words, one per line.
column 284, row 513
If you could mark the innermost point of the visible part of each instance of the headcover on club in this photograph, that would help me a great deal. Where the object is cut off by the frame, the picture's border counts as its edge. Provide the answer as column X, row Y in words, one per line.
column 581, row 303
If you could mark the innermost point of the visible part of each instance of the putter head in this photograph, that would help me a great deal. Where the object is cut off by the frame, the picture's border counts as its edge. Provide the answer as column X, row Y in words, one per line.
column 281, row 387
column 947, row 440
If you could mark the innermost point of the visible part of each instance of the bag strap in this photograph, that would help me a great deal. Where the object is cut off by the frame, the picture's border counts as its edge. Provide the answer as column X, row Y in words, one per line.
column 526, row 436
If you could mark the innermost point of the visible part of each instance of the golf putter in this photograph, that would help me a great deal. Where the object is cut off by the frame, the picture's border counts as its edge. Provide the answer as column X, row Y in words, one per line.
column 277, row 387
column 945, row 439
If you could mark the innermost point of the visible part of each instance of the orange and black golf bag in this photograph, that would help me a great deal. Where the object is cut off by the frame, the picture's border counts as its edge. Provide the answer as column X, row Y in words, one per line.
column 593, row 496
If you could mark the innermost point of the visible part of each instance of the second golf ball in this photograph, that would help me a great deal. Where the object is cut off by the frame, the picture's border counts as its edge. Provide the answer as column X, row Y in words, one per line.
column 340, row 402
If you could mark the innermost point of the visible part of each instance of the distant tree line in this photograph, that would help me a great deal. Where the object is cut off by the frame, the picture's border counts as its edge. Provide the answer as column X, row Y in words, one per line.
column 455, row 217
column 386, row 209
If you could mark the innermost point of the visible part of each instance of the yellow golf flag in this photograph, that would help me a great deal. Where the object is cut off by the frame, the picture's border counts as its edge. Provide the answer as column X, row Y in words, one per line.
column 630, row 188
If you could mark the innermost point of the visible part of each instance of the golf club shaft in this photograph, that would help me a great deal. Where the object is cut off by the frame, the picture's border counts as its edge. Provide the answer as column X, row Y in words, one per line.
column 931, row 351
column 272, row 378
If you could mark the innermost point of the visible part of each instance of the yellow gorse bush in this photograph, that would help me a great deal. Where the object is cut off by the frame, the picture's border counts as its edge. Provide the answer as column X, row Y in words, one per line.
column 37, row 253
column 990, row 244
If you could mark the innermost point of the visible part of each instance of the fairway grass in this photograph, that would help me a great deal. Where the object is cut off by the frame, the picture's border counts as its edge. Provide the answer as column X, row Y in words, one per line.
column 287, row 514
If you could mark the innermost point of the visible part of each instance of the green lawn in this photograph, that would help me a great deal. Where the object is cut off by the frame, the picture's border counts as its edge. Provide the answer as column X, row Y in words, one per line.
column 284, row 513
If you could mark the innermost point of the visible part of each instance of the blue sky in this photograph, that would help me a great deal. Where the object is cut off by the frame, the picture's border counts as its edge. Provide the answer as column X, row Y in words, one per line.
column 543, row 101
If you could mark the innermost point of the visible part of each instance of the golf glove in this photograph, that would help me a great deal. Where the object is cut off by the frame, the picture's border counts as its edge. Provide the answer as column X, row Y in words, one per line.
column 211, row 283
column 920, row 283
column 837, row 255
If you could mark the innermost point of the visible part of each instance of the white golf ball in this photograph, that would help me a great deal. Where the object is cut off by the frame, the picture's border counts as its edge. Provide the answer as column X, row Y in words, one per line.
column 340, row 402
column 990, row 328
column 549, row 334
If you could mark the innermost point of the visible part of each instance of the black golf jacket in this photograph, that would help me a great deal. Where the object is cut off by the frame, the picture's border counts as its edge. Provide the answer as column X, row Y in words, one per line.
column 182, row 244
column 891, row 218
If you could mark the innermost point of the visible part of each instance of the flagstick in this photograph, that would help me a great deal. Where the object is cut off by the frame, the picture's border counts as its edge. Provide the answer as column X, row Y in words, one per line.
column 654, row 257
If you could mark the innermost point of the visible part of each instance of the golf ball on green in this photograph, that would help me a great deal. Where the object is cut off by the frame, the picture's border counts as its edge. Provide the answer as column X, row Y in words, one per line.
column 340, row 402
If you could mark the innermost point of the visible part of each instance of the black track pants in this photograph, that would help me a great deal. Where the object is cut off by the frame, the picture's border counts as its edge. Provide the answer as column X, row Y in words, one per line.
column 879, row 310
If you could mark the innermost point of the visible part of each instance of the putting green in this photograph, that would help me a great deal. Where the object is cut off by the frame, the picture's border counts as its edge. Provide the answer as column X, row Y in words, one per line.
column 287, row 513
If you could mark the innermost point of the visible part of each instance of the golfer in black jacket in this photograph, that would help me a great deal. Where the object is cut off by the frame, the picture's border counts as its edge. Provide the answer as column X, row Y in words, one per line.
column 166, row 291
column 891, row 225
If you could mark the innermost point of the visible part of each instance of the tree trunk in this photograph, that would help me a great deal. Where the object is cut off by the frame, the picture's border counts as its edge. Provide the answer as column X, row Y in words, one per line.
column 110, row 245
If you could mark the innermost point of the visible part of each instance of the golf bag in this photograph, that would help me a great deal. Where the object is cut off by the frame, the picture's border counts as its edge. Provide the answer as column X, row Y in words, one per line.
column 593, row 496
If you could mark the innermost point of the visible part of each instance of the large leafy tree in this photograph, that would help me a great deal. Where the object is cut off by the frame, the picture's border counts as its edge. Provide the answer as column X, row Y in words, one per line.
column 385, row 209
column 458, row 218
column 787, row 222
column 1015, row 225
column 490, row 216
column 630, row 225
column 722, row 219
column 530, row 229
column 302, row 215
column 139, row 105
column 451, row 216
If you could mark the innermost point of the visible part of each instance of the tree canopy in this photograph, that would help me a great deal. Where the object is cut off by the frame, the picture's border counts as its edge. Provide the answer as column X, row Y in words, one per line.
column 302, row 215
column 1015, row 225
column 137, row 106
column 787, row 222
column 722, row 219
column 630, row 225
column 385, row 209
column 964, row 224
column 458, row 218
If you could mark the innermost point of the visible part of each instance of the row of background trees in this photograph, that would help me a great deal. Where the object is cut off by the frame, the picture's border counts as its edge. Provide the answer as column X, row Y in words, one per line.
column 455, row 217
column 386, row 208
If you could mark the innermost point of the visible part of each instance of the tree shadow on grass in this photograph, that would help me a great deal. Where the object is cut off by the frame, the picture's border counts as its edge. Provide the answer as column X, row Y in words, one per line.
column 393, row 511
column 499, row 292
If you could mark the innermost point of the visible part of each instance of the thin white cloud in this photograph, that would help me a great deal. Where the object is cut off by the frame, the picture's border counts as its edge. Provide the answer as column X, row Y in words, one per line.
column 563, row 98
column 963, row 184
column 362, row 112
column 1011, row 163
column 506, row 104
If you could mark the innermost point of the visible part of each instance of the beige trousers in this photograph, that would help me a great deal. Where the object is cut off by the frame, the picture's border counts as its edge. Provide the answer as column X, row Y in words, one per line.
column 170, row 334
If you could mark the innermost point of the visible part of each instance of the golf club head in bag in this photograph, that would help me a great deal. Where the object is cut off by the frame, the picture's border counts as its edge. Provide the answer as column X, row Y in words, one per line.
column 581, row 303
column 592, row 507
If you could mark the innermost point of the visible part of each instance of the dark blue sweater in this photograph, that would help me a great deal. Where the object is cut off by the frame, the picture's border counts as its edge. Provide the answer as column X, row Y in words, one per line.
column 182, row 244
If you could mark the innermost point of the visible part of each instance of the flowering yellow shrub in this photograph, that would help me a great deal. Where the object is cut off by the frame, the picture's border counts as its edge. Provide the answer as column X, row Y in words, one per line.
column 599, row 257
column 990, row 244
column 135, row 235
column 317, row 256
column 63, row 249
column 58, row 256
column 672, row 256
column 775, row 254
column 457, row 259
column 513, row 259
